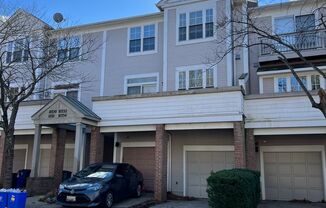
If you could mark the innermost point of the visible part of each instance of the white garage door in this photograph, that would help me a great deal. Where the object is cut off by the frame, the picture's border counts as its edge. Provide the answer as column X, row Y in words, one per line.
column 19, row 160
column 44, row 170
column 199, row 165
column 69, row 159
column 293, row 176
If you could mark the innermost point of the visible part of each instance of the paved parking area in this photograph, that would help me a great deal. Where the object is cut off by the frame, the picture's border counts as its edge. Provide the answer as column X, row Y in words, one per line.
column 33, row 202
column 277, row 204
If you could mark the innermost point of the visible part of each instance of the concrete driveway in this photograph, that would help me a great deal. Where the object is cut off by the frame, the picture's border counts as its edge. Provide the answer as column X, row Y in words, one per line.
column 33, row 202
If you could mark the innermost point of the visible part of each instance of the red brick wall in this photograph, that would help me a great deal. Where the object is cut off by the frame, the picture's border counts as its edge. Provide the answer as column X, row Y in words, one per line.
column 251, row 149
column 96, row 146
column 160, row 186
column 239, row 145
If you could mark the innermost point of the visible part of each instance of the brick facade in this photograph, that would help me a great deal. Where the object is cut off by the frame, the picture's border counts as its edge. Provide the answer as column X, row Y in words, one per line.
column 160, row 186
column 251, row 150
column 239, row 145
column 96, row 146
column 57, row 155
column 39, row 186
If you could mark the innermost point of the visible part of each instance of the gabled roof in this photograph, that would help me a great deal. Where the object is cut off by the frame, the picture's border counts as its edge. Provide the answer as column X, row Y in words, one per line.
column 167, row 3
column 28, row 15
column 80, row 111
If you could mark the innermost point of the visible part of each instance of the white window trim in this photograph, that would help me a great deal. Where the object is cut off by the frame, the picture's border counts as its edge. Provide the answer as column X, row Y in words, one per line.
column 200, row 148
column 193, row 8
column 299, row 148
column 126, row 85
column 23, row 147
column 142, row 40
column 66, row 90
column 13, row 40
column 191, row 68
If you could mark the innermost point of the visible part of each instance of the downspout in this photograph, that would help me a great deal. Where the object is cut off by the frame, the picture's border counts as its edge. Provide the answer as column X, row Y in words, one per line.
column 169, row 165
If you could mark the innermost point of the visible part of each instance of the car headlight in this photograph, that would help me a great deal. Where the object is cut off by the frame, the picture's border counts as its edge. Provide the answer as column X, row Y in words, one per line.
column 95, row 187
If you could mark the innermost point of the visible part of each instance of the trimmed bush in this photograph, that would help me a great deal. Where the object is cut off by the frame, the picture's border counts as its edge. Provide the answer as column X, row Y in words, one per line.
column 236, row 188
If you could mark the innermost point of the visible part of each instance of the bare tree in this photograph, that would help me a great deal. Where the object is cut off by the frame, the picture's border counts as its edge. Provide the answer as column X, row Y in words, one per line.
column 29, row 60
column 251, row 31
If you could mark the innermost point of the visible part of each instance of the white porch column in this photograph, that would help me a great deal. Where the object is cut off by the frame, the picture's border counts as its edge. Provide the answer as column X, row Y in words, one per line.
column 82, row 151
column 78, row 147
column 36, row 150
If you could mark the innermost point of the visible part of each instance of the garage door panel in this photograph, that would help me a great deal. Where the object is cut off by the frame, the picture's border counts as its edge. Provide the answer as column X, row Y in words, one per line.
column 19, row 159
column 284, row 157
column 293, row 176
column 143, row 159
column 284, row 169
column 199, row 166
column 299, row 169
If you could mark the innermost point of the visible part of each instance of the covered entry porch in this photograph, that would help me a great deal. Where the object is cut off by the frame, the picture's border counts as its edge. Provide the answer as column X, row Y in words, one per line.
column 63, row 115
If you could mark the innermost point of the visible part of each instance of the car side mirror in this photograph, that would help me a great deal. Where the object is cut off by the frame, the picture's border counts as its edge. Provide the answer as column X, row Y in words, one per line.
column 119, row 176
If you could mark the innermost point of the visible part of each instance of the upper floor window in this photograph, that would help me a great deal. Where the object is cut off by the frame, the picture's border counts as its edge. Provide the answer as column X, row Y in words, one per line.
column 140, row 84
column 17, row 51
column 69, row 90
column 315, row 82
column 295, row 86
column 289, row 24
column 195, row 77
column 142, row 39
column 196, row 25
column 282, row 84
column 69, row 48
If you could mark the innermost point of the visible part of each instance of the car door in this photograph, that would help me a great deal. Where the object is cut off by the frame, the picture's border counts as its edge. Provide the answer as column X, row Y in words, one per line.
column 121, row 183
column 133, row 179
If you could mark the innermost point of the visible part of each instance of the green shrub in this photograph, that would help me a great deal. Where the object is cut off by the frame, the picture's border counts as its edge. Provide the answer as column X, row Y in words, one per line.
column 236, row 188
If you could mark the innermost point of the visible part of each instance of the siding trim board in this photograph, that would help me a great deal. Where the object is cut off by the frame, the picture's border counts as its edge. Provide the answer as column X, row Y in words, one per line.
column 299, row 148
column 200, row 148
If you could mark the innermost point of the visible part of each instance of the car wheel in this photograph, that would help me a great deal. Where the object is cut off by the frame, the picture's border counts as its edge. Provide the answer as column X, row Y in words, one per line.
column 109, row 200
column 138, row 191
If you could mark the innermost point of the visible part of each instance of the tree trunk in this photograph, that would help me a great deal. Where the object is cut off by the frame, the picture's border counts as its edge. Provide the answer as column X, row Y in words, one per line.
column 322, row 104
column 8, row 159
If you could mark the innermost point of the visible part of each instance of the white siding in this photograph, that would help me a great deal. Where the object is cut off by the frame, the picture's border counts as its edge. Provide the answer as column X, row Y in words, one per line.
column 282, row 112
column 24, row 120
column 195, row 108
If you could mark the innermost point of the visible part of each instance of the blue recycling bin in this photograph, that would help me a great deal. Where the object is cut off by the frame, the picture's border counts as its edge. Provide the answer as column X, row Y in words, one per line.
column 17, row 199
column 3, row 199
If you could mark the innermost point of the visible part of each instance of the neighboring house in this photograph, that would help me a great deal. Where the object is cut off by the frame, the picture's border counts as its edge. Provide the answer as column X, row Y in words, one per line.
column 157, row 103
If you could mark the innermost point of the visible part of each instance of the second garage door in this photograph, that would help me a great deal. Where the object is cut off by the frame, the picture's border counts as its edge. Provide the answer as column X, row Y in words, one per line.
column 199, row 167
column 142, row 158
column 293, row 176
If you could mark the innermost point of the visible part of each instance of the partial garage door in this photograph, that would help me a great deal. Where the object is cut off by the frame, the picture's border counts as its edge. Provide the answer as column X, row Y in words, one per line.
column 142, row 158
column 69, row 159
column 19, row 159
column 293, row 176
column 199, row 165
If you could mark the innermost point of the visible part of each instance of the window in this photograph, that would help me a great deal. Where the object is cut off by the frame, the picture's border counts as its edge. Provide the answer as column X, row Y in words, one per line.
column 196, row 25
column 141, row 84
column 142, row 38
column 17, row 51
column 149, row 38
column 284, row 25
column 305, row 22
column 69, row 90
column 282, row 84
column 315, row 82
column 135, row 40
column 195, row 77
column 182, row 27
column 210, row 77
column 295, row 86
column 69, row 48
column 209, row 27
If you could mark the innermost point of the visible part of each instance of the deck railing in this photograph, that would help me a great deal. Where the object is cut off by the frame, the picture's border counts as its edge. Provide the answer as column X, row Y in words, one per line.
column 306, row 40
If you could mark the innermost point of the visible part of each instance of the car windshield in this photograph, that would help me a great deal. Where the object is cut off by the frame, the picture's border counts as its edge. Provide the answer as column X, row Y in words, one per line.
column 97, row 171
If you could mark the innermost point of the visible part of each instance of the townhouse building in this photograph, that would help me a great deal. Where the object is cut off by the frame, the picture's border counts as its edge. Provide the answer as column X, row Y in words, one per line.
column 157, row 101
